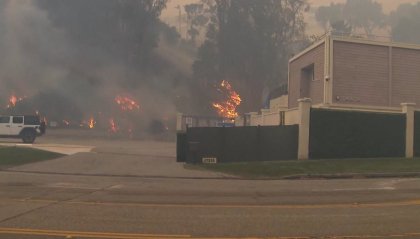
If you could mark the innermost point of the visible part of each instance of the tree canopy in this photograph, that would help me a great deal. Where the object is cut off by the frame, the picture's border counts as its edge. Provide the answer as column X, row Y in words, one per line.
column 405, row 22
column 125, row 29
column 353, row 15
column 248, row 43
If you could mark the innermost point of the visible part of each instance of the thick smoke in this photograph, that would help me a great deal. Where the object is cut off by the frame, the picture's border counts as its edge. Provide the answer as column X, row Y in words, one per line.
column 32, row 50
column 68, row 81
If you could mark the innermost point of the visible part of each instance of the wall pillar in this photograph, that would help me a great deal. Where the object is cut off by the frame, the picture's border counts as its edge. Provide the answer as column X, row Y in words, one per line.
column 408, row 109
column 179, row 117
column 304, row 124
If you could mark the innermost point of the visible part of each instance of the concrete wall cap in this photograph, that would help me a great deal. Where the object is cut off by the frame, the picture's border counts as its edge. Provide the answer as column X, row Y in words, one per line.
column 408, row 104
column 305, row 100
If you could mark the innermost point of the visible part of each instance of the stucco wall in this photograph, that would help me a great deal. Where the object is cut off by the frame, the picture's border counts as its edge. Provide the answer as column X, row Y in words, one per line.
column 315, row 56
column 292, row 117
column 279, row 103
column 271, row 118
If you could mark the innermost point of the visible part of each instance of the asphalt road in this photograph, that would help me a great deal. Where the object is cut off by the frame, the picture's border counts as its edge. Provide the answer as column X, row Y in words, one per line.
column 134, row 189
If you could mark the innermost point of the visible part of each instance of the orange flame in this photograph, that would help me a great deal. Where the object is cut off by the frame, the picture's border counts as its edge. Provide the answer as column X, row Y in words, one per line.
column 113, row 128
column 13, row 100
column 227, row 109
column 92, row 122
column 126, row 103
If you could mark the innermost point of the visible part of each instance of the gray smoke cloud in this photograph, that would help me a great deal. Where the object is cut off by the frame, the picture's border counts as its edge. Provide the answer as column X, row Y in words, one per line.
column 38, row 59
column 31, row 49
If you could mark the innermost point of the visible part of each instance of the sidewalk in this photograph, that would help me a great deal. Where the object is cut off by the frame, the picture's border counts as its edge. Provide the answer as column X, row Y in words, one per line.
column 56, row 148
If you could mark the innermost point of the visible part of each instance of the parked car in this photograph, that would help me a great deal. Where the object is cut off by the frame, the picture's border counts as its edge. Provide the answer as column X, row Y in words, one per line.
column 26, row 127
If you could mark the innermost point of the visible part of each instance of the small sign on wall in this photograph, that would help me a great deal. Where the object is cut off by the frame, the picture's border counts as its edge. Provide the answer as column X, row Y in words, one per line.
column 209, row 160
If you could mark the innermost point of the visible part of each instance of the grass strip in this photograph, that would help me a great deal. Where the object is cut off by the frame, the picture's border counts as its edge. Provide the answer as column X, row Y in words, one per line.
column 282, row 169
column 14, row 156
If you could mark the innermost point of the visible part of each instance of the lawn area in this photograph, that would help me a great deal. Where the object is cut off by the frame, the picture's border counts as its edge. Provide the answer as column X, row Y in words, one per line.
column 314, row 168
column 14, row 156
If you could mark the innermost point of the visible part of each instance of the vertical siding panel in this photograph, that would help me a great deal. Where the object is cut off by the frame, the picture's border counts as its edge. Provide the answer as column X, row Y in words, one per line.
column 406, row 76
column 361, row 74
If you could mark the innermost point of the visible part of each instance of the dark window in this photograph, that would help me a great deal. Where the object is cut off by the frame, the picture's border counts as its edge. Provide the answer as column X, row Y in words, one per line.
column 307, row 75
column 32, row 120
column 17, row 120
column 4, row 119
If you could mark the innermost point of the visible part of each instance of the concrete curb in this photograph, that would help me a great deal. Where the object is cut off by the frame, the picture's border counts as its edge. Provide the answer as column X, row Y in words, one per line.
column 233, row 177
column 352, row 176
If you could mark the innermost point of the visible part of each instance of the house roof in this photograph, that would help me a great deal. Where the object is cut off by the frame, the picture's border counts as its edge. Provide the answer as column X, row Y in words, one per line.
column 332, row 37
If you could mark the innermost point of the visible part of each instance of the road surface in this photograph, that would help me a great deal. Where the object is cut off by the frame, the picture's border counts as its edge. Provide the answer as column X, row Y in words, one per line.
column 135, row 189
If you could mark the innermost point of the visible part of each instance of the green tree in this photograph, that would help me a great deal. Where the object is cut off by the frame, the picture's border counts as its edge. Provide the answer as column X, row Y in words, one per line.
column 364, row 15
column 124, row 28
column 249, row 42
column 328, row 15
column 196, row 19
column 405, row 22
column 341, row 28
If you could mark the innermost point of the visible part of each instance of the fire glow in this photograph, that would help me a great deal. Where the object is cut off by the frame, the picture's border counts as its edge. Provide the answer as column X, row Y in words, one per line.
column 113, row 128
column 92, row 123
column 227, row 108
column 13, row 100
column 126, row 103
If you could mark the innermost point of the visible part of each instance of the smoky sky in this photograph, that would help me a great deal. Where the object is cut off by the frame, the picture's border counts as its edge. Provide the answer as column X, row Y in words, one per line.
column 40, row 58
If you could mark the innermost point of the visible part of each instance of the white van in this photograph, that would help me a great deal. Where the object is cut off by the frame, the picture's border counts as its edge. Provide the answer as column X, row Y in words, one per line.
column 26, row 127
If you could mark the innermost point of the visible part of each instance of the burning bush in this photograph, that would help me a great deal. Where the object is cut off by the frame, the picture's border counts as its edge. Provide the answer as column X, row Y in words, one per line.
column 231, row 100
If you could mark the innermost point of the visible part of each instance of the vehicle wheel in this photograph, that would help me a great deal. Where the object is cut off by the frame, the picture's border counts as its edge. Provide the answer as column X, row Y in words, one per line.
column 28, row 137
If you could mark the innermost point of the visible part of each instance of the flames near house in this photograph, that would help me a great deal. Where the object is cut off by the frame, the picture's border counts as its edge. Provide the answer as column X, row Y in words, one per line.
column 227, row 107
column 122, row 116
column 13, row 100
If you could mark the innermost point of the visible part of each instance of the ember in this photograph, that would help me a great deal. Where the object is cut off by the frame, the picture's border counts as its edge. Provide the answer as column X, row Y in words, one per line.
column 92, row 123
column 126, row 103
column 113, row 128
column 227, row 108
column 13, row 100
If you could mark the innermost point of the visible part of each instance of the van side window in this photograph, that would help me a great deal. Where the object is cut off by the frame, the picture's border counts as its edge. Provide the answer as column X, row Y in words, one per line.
column 18, row 120
column 4, row 119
